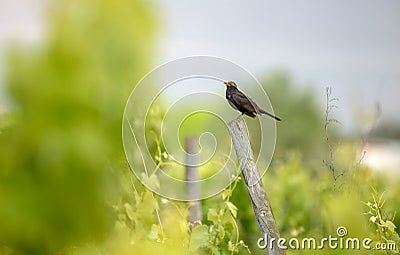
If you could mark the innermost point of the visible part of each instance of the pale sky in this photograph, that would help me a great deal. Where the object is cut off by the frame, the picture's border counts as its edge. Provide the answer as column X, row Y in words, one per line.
column 352, row 46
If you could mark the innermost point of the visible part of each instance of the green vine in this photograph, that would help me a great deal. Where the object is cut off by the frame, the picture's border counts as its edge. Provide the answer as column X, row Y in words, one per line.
column 383, row 223
column 222, row 235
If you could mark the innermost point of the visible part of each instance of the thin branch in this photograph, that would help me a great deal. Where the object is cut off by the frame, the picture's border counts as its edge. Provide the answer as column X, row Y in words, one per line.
column 328, row 121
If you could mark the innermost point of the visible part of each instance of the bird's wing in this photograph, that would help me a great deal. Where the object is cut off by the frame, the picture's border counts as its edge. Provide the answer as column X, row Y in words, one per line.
column 244, row 103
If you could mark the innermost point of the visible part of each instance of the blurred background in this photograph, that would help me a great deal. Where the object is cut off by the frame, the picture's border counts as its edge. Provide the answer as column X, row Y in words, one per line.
column 68, row 67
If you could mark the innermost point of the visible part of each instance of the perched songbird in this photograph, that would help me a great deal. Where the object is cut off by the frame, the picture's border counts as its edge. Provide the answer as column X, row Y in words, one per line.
column 242, row 103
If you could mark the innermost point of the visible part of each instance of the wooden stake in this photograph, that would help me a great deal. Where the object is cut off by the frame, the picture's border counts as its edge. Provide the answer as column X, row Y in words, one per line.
column 261, row 206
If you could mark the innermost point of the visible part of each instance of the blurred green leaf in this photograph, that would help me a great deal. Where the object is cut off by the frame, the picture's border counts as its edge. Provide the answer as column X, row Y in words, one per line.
column 61, row 159
column 129, row 211
column 389, row 225
column 221, row 232
column 215, row 250
column 153, row 234
column 212, row 215
column 199, row 238
column 232, row 208
column 373, row 219
column 226, row 193
column 150, row 181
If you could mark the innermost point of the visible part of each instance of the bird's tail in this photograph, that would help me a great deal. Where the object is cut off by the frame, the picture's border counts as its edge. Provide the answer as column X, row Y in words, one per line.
column 269, row 114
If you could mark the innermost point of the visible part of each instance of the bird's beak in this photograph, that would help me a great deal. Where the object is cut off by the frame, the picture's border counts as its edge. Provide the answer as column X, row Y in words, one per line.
column 227, row 84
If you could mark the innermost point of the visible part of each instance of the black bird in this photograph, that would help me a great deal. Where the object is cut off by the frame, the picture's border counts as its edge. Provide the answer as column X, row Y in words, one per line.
column 242, row 103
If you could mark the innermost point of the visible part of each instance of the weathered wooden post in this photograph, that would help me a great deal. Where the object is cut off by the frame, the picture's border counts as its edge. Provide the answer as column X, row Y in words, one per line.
column 192, row 178
column 261, row 206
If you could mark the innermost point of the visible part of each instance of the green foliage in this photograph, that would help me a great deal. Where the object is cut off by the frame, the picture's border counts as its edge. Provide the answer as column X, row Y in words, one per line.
column 199, row 239
column 68, row 97
column 384, row 226
column 305, row 204
column 302, row 123
column 298, row 189
column 148, row 224
column 222, row 235
column 65, row 187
